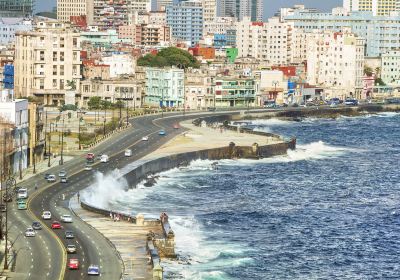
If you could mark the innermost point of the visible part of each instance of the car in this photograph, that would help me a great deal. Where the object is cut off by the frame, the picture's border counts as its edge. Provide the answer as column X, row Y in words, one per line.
column 63, row 180
column 55, row 225
column 351, row 102
column 46, row 215
column 333, row 105
column 69, row 234
column 51, row 178
column 46, row 175
column 211, row 109
column 93, row 270
column 161, row 132
column 71, row 248
column 104, row 158
column 88, row 167
column 7, row 197
column 21, row 205
column 36, row 225
column 3, row 208
column 62, row 173
column 73, row 264
column 145, row 138
column 30, row 232
column 22, row 193
column 66, row 218
column 176, row 126
column 128, row 152
column 89, row 156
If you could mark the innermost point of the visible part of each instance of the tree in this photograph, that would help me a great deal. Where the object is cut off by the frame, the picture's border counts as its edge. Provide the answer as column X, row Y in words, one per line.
column 169, row 57
column 94, row 104
column 368, row 71
column 71, row 84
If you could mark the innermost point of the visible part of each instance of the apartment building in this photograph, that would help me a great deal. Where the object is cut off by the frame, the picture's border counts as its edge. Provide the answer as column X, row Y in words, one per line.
column 382, row 33
column 186, row 21
column 68, row 8
column 45, row 60
column 390, row 67
column 165, row 87
column 16, row 8
column 248, row 38
column 377, row 7
column 161, row 5
column 8, row 27
column 152, row 35
column 232, row 91
column 335, row 60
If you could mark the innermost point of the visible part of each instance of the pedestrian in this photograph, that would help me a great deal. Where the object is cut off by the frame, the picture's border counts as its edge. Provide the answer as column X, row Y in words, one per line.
column 78, row 197
column 63, row 196
column 111, row 215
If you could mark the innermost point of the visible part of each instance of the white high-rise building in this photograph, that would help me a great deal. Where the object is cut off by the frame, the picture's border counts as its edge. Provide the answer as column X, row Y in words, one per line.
column 377, row 7
column 161, row 5
column 335, row 60
column 248, row 38
column 209, row 12
column 68, row 8
column 241, row 9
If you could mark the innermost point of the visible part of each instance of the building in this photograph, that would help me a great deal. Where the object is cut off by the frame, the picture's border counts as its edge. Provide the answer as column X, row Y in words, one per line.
column 16, row 113
column 226, row 8
column 381, row 32
column 220, row 25
column 335, row 60
column 272, row 85
column 152, row 35
column 390, row 68
column 164, row 87
column 235, row 92
column 248, row 38
column 207, row 53
column 198, row 91
column 16, row 8
column 377, row 7
column 161, row 5
column 241, row 9
column 110, row 14
column 94, row 70
column 45, row 60
column 8, row 27
column 75, row 8
column 209, row 12
column 139, row 6
column 37, row 134
column 120, row 64
column 186, row 21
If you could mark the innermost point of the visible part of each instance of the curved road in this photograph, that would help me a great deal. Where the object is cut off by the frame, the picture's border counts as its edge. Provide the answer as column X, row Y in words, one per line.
column 44, row 256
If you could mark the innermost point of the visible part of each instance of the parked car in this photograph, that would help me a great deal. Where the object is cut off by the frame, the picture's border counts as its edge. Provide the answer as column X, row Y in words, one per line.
column 161, row 132
column 73, row 264
column 55, row 225
column 46, row 215
column 66, row 218
column 46, row 175
column 30, row 232
column 145, row 138
column 36, row 225
column 71, row 248
column 351, row 102
column 93, row 270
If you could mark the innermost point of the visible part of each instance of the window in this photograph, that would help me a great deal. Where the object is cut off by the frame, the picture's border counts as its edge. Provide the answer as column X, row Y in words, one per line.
column 75, row 56
column 61, row 56
column 54, row 83
column 61, row 69
column 41, row 55
column 54, row 70
column 61, row 84
column 54, row 56
column 41, row 86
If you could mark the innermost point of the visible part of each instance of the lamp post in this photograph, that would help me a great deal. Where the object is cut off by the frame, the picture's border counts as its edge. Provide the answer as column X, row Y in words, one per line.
column 49, row 139
column 79, row 128
column 9, row 184
column 127, row 112
column 275, row 83
column 104, row 126
column 62, row 143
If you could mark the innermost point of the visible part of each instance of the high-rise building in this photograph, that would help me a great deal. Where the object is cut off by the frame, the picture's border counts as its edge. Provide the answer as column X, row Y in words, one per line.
column 161, row 5
column 45, row 60
column 240, row 9
column 377, row 7
column 68, row 8
column 186, row 21
column 16, row 8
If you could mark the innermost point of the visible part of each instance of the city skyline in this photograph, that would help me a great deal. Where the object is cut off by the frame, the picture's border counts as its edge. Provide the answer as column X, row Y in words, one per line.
column 44, row 5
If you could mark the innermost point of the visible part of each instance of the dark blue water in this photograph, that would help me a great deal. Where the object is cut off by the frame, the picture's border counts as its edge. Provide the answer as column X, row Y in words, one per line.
column 329, row 210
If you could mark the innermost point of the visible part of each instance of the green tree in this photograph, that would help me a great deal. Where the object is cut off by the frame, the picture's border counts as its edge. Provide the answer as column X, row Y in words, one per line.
column 368, row 71
column 94, row 103
column 169, row 57
column 71, row 84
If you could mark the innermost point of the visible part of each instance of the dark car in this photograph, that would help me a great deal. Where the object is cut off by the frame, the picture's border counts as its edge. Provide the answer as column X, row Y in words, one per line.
column 351, row 102
column 36, row 226
column 211, row 109
column 69, row 234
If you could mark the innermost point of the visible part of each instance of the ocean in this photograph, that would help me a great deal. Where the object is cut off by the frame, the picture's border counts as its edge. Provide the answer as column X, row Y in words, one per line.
column 328, row 210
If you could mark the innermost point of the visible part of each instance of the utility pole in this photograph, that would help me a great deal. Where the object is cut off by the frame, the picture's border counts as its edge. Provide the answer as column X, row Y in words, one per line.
column 126, row 97
column 62, row 144
column 79, row 130
column 45, row 133
column 162, row 103
column 9, row 184
column 49, row 139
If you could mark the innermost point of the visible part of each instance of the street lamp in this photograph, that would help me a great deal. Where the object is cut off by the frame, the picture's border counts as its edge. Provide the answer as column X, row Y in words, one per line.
column 275, row 93
column 9, row 184
column 79, row 127
column 62, row 143
column 104, row 126
column 49, row 139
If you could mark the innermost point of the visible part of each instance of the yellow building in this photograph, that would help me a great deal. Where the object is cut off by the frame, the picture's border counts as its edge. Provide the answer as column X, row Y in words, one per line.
column 377, row 7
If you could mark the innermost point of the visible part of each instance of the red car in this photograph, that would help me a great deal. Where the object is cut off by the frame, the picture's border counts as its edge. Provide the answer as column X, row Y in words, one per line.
column 73, row 264
column 90, row 156
column 176, row 126
column 55, row 225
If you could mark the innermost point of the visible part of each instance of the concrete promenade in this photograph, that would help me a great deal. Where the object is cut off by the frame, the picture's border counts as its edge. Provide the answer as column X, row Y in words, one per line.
column 128, row 239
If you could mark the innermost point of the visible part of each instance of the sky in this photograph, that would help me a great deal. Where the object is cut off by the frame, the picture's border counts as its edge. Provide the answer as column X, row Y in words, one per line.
column 270, row 6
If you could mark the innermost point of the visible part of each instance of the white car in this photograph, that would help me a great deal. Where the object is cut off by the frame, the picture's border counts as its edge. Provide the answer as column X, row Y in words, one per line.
column 51, row 178
column 88, row 167
column 145, row 138
column 30, row 232
column 104, row 158
column 93, row 270
column 128, row 152
column 22, row 193
column 46, row 215
column 62, row 173
column 66, row 218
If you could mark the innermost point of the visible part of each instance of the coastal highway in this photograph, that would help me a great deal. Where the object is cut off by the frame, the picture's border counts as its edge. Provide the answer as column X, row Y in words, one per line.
column 44, row 256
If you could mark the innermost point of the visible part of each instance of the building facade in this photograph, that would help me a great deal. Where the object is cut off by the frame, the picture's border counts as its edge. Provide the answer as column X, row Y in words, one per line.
column 16, row 8
column 390, row 68
column 186, row 21
column 233, row 92
column 120, row 64
column 45, row 59
column 381, row 32
column 152, row 35
column 377, row 7
column 165, row 87
column 8, row 27
column 68, row 8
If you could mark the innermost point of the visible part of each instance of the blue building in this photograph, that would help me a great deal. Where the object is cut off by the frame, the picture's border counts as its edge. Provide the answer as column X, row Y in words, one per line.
column 186, row 21
column 219, row 41
column 8, row 79
column 382, row 33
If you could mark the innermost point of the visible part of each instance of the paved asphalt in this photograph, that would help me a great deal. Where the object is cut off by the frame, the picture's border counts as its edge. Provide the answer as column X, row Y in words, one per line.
column 44, row 256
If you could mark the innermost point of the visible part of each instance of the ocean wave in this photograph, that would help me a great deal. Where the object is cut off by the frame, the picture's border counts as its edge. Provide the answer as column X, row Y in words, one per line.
column 272, row 122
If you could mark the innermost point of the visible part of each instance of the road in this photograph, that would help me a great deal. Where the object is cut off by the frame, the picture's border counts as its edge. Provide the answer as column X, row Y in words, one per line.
column 44, row 256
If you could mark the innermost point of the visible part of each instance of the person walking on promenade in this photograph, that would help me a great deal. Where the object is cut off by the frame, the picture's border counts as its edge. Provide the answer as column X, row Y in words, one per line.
column 78, row 197
column 111, row 215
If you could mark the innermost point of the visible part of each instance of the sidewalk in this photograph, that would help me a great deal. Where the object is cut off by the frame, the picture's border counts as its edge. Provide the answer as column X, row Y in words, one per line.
column 10, row 259
column 129, row 240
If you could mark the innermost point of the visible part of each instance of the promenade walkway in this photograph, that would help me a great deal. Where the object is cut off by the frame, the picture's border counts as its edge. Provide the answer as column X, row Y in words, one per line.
column 128, row 238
